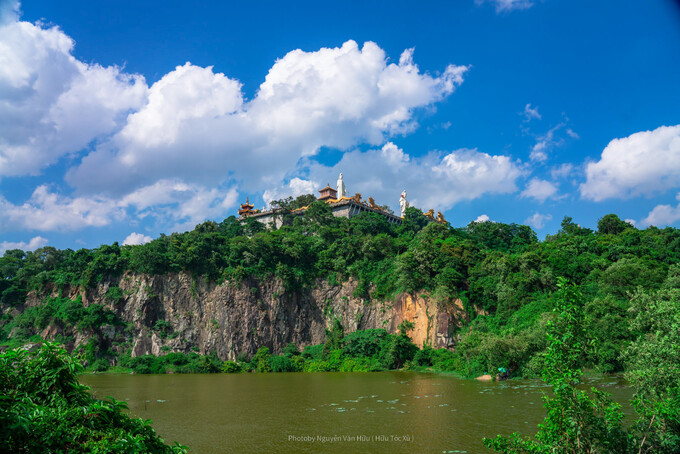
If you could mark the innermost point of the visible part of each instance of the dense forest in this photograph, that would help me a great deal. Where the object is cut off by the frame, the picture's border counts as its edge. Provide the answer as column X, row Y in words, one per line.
column 504, row 276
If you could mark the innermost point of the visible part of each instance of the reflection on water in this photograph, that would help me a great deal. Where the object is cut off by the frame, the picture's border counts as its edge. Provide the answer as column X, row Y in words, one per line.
column 332, row 412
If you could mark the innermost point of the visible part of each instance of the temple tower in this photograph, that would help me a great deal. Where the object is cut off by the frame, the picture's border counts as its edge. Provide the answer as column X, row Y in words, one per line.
column 328, row 193
column 246, row 209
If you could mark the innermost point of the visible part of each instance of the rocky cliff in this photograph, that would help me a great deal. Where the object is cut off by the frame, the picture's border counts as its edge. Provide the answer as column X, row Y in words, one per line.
column 176, row 312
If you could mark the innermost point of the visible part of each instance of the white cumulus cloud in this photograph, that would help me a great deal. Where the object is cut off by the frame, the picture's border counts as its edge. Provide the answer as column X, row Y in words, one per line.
column 177, row 150
column 437, row 180
column 295, row 187
column 49, row 211
column 136, row 238
column 175, row 205
column 643, row 163
column 33, row 244
column 537, row 220
column 195, row 124
column 185, row 94
column 179, row 205
column 482, row 218
column 539, row 189
column 663, row 215
column 51, row 103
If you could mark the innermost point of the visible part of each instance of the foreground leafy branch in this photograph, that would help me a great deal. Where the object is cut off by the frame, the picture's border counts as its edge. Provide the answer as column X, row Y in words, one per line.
column 43, row 408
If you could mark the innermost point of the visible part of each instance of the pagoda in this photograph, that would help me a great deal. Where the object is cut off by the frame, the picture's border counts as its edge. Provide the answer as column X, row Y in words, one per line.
column 246, row 209
column 328, row 193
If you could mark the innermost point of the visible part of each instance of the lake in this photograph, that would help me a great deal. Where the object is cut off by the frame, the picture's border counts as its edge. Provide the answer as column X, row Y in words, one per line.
column 335, row 412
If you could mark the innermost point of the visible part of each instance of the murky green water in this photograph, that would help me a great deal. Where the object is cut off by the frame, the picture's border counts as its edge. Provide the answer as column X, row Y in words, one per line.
column 383, row 412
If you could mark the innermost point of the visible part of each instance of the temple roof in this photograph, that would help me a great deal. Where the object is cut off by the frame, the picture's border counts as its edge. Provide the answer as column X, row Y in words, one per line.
column 246, row 208
column 247, row 204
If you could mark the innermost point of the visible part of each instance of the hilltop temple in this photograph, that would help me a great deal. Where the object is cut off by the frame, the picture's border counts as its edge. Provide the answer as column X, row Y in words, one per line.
column 341, row 206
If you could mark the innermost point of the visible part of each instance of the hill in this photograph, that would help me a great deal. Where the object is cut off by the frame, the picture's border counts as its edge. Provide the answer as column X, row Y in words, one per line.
column 483, row 293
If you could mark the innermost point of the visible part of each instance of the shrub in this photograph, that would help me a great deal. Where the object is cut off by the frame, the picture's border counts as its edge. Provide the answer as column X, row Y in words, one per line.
column 281, row 364
column 366, row 342
column 231, row 367
column 261, row 360
column 43, row 408
column 114, row 294
column 291, row 350
column 313, row 352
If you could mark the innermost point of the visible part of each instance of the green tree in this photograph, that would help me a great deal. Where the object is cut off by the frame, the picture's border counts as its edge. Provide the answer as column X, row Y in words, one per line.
column 261, row 360
column 611, row 224
column 231, row 367
column 334, row 337
column 369, row 223
column 502, row 237
column 291, row 350
column 414, row 220
column 319, row 213
column 569, row 227
column 399, row 348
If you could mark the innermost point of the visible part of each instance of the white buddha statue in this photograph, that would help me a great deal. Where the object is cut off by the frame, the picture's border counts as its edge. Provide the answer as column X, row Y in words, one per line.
column 342, row 191
column 403, row 203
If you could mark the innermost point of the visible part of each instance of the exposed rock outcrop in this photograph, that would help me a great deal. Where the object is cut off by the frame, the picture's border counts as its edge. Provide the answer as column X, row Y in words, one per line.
column 230, row 319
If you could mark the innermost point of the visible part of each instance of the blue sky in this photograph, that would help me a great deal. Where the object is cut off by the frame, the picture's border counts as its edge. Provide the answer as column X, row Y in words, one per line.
column 125, row 120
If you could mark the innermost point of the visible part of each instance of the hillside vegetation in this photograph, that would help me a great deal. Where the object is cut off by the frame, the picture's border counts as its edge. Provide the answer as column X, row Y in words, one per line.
column 505, row 277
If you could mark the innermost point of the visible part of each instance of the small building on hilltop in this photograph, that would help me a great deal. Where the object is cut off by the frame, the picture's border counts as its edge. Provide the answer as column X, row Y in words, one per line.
column 328, row 194
column 246, row 209
column 341, row 206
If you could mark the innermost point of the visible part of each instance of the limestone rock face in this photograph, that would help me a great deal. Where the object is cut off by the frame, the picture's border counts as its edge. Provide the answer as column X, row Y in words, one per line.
column 175, row 312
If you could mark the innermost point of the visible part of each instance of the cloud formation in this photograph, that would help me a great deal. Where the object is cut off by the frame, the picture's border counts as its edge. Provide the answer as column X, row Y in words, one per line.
column 32, row 245
column 437, row 180
column 177, row 204
column 135, row 238
column 663, row 215
column 538, row 220
column 562, row 171
column 177, row 150
column 196, row 126
column 173, row 204
column 49, row 211
column 644, row 163
column 548, row 141
column 539, row 190
column 531, row 113
column 51, row 104
column 295, row 187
